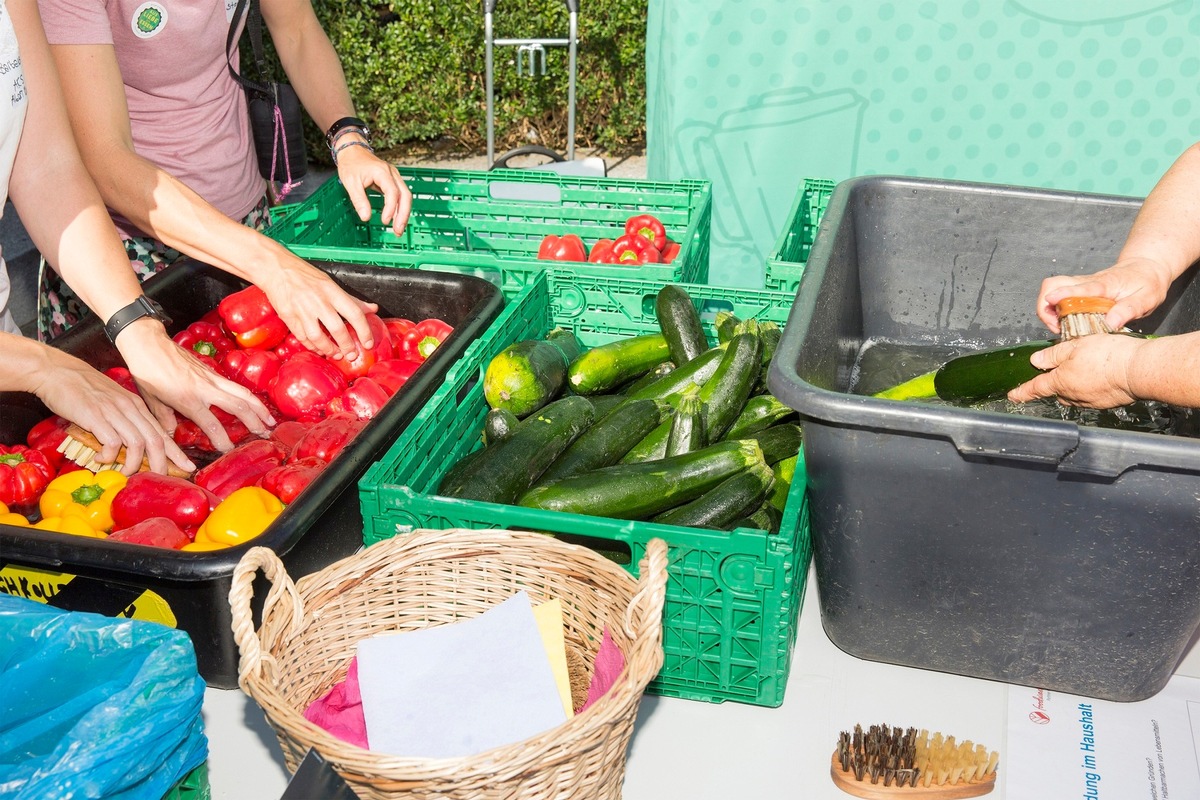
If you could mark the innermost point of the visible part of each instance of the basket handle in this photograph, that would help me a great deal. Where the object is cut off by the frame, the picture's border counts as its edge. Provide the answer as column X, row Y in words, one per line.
column 240, row 594
column 646, row 607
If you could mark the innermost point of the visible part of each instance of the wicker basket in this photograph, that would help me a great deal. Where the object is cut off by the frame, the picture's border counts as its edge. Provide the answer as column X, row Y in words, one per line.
column 426, row 578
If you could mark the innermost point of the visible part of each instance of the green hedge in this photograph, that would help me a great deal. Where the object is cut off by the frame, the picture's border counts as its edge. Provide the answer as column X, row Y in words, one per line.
column 416, row 71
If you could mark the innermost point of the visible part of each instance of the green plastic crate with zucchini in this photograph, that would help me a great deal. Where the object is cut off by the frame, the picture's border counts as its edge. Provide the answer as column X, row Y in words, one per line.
column 785, row 265
column 490, row 224
column 729, row 624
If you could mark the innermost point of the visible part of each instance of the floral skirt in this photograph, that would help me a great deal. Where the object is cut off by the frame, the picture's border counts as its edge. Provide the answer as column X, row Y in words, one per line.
column 59, row 309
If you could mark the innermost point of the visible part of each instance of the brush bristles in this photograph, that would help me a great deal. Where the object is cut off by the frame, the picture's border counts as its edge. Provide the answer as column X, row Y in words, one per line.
column 1075, row 325
column 889, row 755
column 83, row 455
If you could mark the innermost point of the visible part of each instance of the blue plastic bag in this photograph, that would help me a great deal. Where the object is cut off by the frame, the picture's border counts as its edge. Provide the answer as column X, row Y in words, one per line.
column 95, row 707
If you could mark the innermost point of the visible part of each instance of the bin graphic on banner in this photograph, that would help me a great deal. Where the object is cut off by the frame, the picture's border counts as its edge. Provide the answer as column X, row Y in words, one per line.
column 747, row 178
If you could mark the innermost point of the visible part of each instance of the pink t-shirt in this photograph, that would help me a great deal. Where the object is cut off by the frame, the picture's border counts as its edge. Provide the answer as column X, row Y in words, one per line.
column 186, row 113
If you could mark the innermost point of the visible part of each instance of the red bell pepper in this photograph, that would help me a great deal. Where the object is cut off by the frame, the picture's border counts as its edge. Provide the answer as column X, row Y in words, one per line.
column 669, row 253
column 24, row 473
column 188, row 434
column 254, row 369
column 289, row 347
column 149, row 494
column 289, row 480
column 633, row 248
column 601, row 252
column 204, row 339
column 304, row 386
column 251, row 319
column 364, row 398
column 124, row 378
column 397, row 327
column 424, row 338
column 288, row 432
column 357, row 364
column 326, row 439
column 46, row 436
column 154, row 532
column 648, row 227
column 568, row 247
column 393, row 373
column 242, row 466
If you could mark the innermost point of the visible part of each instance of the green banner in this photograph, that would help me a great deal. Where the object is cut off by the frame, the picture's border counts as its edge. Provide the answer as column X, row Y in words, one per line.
column 756, row 95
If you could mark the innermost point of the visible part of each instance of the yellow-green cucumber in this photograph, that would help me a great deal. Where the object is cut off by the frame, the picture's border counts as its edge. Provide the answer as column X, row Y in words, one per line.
column 724, row 395
column 760, row 412
column 506, row 470
column 670, row 386
column 735, row 497
column 609, row 365
column 680, row 324
column 687, row 426
column 639, row 491
column 918, row 388
column 609, row 438
column 528, row 374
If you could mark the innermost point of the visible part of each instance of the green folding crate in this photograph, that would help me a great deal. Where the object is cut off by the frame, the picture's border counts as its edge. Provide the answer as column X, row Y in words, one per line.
column 733, row 599
column 193, row 786
column 785, row 265
column 490, row 223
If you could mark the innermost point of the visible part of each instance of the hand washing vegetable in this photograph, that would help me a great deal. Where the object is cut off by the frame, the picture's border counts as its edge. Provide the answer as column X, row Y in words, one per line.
column 363, row 358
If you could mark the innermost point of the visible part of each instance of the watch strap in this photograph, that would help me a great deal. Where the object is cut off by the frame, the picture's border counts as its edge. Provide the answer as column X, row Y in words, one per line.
column 141, row 307
column 341, row 125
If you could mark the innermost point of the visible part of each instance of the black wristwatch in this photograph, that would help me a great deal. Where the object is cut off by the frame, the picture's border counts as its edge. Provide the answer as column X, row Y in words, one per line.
column 344, row 123
column 142, row 307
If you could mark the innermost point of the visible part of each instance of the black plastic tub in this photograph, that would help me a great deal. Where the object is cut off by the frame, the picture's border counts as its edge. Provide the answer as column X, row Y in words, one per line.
column 1032, row 551
column 190, row 590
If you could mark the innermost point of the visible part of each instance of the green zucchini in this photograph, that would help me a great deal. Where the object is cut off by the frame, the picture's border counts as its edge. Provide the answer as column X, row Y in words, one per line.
column 637, row 384
column 778, row 441
column 605, row 367
column 771, row 334
column 608, row 439
column 680, row 324
column 987, row 374
column 726, row 323
column 687, row 427
column 639, row 491
column 498, row 425
column 759, row 413
column 506, row 470
column 733, row 498
column 670, row 386
column 785, row 473
column 604, row 403
column 724, row 395
column 460, row 471
column 528, row 374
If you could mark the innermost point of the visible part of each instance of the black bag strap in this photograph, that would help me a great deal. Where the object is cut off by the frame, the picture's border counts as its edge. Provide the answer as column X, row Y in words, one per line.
column 254, row 27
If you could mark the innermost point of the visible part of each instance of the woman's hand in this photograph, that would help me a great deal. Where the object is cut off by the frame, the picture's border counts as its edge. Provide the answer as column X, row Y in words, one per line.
column 1137, row 285
column 116, row 417
column 172, row 380
column 359, row 169
column 1091, row 371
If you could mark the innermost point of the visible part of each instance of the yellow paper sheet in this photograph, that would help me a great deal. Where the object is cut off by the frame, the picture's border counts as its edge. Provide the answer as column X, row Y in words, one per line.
column 550, row 624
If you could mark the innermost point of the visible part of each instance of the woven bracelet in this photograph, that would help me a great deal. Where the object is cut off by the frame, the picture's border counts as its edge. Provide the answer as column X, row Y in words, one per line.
column 342, row 147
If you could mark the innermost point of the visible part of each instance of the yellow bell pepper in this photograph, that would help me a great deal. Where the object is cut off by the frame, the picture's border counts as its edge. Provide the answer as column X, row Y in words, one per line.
column 240, row 517
column 76, row 526
column 85, row 495
column 12, row 518
column 203, row 545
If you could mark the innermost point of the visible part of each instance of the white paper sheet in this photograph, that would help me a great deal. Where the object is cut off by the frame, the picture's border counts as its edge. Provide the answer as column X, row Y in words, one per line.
column 460, row 689
column 1064, row 746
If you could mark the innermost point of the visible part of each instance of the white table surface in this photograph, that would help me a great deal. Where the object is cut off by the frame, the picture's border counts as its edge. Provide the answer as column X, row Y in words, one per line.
column 694, row 750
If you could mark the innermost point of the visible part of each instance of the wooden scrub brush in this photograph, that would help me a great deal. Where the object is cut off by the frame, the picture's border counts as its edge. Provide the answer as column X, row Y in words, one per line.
column 1082, row 316
column 885, row 762
column 82, row 447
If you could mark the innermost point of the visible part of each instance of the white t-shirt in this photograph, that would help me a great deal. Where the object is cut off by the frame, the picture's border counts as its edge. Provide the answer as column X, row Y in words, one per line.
column 13, row 104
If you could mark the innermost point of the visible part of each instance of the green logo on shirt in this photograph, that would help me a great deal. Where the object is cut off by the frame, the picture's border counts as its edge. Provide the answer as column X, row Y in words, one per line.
column 149, row 19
